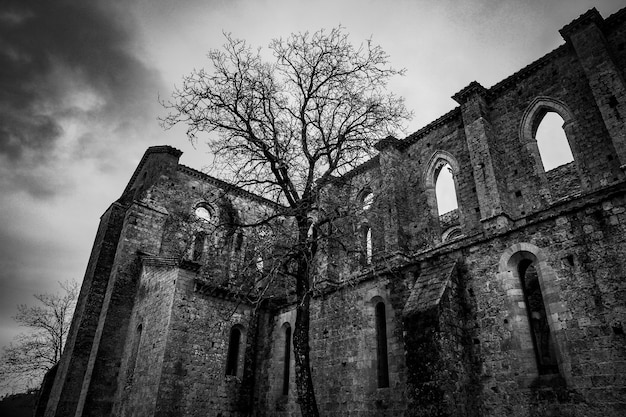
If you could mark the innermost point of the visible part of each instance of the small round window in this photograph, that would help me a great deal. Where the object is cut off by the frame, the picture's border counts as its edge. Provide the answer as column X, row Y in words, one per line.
column 203, row 212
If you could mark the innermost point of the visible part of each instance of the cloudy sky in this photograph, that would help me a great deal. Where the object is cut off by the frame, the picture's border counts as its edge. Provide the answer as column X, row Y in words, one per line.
column 80, row 81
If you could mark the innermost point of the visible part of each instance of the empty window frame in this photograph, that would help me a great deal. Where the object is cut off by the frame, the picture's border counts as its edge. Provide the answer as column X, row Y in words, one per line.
column 554, row 148
column 381, row 346
column 204, row 211
column 232, row 360
column 367, row 199
column 445, row 190
column 537, row 318
column 198, row 246
column 366, row 244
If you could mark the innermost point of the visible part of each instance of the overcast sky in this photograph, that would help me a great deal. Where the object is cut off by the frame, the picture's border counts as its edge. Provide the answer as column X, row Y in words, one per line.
column 80, row 81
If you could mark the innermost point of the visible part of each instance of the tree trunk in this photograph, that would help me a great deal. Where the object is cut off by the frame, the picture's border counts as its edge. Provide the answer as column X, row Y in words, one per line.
column 304, row 381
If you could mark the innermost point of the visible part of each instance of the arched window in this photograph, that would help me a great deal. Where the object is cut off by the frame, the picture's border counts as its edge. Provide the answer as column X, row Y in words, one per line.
column 381, row 345
column 537, row 318
column 366, row 244
column 451, row 234
column 444, row 189
column 232, row 360
column 534, row 317
column 204, row 211
column 547, row 130
column 198, row 246
column 553, row 146
column 367, row 199
column 440, row 180
column 287, row 360
column 259, row 263
column 132, row 360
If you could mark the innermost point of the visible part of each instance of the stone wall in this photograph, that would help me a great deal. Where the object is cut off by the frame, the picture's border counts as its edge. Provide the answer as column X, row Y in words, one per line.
column 467, row 329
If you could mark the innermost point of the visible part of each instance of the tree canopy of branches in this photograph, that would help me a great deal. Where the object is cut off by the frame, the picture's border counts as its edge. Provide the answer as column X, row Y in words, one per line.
column 285, row 128
column 33, row 353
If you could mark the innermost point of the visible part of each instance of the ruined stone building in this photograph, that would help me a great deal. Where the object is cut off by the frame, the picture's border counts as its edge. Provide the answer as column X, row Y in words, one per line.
column 513, row 304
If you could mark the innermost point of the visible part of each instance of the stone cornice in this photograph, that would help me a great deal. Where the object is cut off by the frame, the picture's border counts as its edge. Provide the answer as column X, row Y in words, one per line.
column 359, row 169
column 473, row 88
column 414, row 137
column 387, row 142
column 615, row 19
column 208, row 289
column 231, row 188
column 529, row 69
column 591, row 16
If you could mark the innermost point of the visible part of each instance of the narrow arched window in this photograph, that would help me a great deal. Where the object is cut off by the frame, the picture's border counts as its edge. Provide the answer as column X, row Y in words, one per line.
column 286, row 360
column 537, row 317
column 381, row 346
column 367, row 200
column 232, row 360
column 198, row 246
column 366, row 245
column 552, row 142
column 132, row 360
column 238, row 241
column 445, row 190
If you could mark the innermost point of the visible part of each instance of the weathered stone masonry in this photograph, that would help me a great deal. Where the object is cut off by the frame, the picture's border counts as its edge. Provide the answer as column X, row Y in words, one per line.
column 514, row 304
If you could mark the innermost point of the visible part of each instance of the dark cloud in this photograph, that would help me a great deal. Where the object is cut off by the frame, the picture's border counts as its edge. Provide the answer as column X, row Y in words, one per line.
column 64, row 62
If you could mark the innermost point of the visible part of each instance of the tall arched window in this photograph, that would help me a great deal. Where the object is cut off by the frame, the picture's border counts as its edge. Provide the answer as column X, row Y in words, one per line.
column 445, row 191
column 287, row 360
column 547, row 130
column 553, row 146
column 232, row 360
column 366, row 244
column 440, row 180
column 537, row 318
column 381, row 346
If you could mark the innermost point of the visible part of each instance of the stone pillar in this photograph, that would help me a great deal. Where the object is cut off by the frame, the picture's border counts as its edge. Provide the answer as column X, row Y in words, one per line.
column 606, row 81
column 479, row 135
column 391, row 213
column 73, row 364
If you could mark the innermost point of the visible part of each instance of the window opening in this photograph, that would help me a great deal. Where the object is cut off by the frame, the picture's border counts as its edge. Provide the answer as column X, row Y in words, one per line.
column 198, row 246
column 537, row 317
column 259, row 263
column 287, row 360
column 445, row 191
column 203, row 212
column 239, row 241
column 381, row 346
column 554, row 148
column 368, row 200
column 233, row 352
column 366, row 245
column 132, row 361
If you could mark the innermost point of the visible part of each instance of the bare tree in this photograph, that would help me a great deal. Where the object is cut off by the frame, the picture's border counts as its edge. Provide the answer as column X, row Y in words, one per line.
column 32, row 354
column 286, row 129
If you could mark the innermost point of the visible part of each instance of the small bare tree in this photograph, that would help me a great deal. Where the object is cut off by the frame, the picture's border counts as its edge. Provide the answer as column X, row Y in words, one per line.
column 286, row 129
column 32, row 354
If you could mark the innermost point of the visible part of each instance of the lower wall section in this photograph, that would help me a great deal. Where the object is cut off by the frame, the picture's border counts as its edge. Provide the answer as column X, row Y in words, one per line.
column 344, row 354
column 206, row 370
column 477, row 350
column 449, row 334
